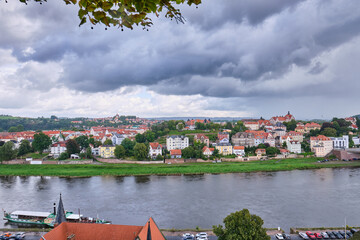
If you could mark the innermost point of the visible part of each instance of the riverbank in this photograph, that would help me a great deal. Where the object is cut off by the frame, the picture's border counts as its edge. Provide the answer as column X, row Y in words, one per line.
column 89, row 170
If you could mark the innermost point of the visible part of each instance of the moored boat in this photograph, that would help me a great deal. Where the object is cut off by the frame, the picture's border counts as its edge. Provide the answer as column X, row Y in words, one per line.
column 48, row 219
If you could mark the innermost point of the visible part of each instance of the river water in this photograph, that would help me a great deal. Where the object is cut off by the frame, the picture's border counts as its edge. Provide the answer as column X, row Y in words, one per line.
column 308, row 198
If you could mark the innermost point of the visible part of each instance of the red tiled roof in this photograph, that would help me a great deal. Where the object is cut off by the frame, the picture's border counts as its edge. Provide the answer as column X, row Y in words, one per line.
column 175, row 152
column 86, row 231
column 155, row 145
column 261, row 150
column 320, row 138
column 154, row 231
column 239, row 147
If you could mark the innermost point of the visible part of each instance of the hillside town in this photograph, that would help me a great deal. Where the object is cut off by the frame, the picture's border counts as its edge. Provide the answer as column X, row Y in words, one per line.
column 195, row 139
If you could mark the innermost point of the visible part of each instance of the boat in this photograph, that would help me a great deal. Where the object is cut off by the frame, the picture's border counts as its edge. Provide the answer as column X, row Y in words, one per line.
column 48, row 219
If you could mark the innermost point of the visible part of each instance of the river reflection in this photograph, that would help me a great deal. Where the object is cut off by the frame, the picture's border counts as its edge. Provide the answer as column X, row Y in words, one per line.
column 322, row 197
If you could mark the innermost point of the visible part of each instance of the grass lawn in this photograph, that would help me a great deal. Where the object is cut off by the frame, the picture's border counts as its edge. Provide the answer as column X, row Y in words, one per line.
column 35, row 155
column 166, row 169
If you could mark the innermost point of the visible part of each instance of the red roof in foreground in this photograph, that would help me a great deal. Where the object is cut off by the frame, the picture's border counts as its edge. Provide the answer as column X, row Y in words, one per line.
column 87, row 231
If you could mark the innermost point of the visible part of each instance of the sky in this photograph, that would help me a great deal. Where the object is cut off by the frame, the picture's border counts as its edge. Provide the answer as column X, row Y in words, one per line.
column 233, row 58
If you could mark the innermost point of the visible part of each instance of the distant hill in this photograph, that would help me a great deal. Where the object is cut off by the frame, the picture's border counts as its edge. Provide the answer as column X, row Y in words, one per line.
column 212, row 119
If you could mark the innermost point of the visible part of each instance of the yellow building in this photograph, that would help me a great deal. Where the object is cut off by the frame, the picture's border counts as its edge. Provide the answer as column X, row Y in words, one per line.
column 224, row 148
column 107, row 151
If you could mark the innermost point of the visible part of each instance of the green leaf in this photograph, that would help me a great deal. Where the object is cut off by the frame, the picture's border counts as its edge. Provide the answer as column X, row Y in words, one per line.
column 82, row 13
column 83, row 20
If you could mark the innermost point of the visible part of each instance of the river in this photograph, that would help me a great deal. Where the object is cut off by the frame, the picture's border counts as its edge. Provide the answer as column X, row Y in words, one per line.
column 308, row 198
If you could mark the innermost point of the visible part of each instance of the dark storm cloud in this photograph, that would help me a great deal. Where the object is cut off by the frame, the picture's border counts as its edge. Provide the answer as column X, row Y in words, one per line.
column 220, row 12
column 223, row 50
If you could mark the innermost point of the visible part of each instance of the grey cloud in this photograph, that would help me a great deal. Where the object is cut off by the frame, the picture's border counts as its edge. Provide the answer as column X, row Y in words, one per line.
column 193, row 59
column 238, row 11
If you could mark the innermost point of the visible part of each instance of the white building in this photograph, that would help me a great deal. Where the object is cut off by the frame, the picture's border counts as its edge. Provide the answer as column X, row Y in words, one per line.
column 155, row 149
column 57, row 149
column 340, row 142
column 293, row 146
column 356, row 140
column 239, row 150
column 177, row 142
column 117, row 138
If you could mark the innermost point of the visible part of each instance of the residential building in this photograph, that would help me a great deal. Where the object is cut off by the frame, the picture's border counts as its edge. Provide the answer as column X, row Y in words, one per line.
column 321, row 145
column 223, row 137
column 352, row 120
column 293, row 146
column 312, row 126
column 300, row 129
column 279, row 125
column 207, row 151
column 246, row 139
column 287, row 118
column 117, row 138
column 252, row 125
column 175, row 153
column 224, row 148
column 155, row 149
column 354, row 127
column 107, row 151
column 296, row 136
column 57, row 149
column 260, row 152
column 86, row 231
column 177, row 142
column 239, row 150
column 202, row 138
column 279, row 133
column 340, row 142
column 356, row 140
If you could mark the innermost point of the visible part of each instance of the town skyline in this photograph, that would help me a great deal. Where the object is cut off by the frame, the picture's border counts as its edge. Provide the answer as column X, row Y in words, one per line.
column 243, row 59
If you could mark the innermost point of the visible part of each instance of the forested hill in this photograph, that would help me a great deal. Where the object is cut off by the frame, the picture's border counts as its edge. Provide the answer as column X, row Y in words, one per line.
column 17, row 124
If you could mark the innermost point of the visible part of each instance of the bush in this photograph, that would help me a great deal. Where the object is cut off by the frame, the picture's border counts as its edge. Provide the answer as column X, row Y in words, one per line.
column 159, row 157
column 64, row 156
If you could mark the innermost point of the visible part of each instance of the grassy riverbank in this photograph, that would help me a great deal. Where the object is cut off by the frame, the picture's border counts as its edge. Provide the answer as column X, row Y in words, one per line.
column 166, row 169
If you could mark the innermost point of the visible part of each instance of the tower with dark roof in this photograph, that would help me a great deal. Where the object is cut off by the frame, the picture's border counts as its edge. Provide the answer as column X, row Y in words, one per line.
column 60, row 214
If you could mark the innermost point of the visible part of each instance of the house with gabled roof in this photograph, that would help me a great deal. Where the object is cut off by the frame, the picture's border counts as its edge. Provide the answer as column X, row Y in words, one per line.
column 155, row 149
column 86, row 231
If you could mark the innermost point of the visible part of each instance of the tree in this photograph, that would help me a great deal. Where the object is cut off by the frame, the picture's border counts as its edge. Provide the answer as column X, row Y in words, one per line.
column 351, row 142
column 329, row 132
column 241, row 225
column 7, row 151
column 284, row 145
column 119, row 151
column 180, row 126
column 88, row 152
column 83, row 141
column 125, row 13
column 228, row 125
column 24, row 148
column 140, row 138
column 358, row 122
column 108, row 142
column 72, row 147
column 150, row 136
column 305, row 146
column 290, row 126
column 188, row 152
column 41, row 142
column 272, row 151
column 129, row 146
column 64, row 156
column 12, row 129
column 140, row 151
